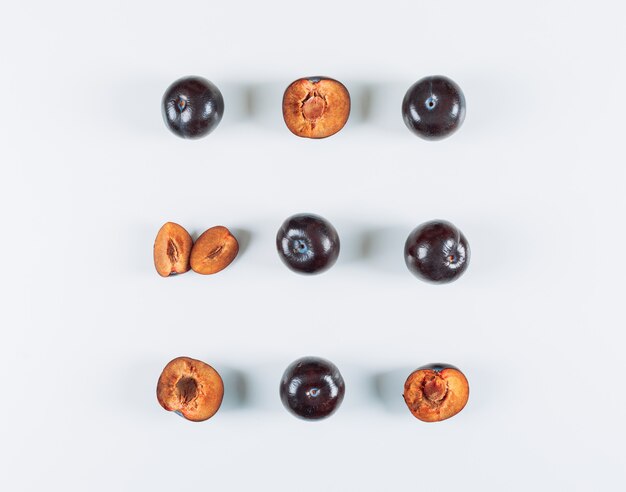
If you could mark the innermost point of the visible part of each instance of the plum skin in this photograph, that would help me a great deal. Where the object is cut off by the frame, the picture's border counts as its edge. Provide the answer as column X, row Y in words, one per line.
column 312, row 388
column 316, row 107
column 434, row 107
column 307, row 243
column 437, row 252
column 192, row 107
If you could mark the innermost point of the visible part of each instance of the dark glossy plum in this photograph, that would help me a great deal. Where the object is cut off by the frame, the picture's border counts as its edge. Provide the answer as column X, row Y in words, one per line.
column 437, row 251
column 307, row 243
column 312, row 388
column 434, row 107
column 192, row 107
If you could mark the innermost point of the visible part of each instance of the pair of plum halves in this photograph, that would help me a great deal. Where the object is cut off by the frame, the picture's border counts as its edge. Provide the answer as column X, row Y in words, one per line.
column 311, row 388
column 316, row 107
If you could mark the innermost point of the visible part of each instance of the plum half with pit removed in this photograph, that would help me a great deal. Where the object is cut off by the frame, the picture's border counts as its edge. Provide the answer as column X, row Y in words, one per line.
column 190, row 388
column 316, row 107
column 172, row 249
column 214, row 250
column 436, row 392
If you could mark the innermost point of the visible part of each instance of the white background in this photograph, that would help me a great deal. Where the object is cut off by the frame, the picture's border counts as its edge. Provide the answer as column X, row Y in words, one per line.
column 534, row 178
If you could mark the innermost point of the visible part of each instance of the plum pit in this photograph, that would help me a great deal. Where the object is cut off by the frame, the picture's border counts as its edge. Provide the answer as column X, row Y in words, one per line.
column 187, row 389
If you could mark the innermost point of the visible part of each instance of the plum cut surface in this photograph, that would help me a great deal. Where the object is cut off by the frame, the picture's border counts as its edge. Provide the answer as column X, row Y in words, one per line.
column 436, row 392
column 214, row 250
column 316, row 107
column 172, row 250
column 191, row 388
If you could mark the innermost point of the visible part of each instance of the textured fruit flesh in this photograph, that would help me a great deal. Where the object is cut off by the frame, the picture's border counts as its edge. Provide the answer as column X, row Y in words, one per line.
column 172, row 249
column 316, row 107
column 435, row 395
column 213, row 251
column 190, row 388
